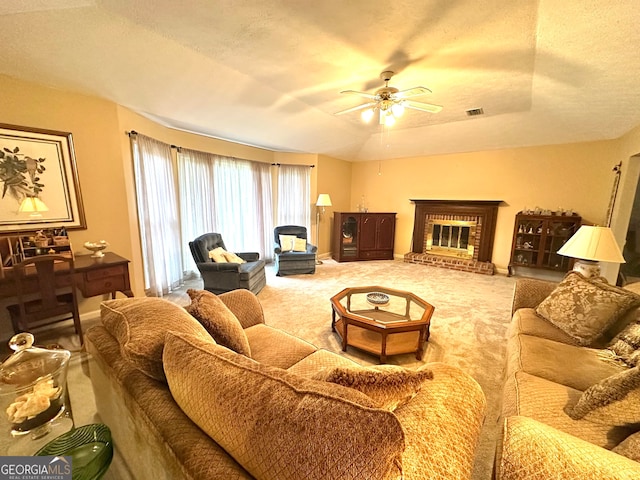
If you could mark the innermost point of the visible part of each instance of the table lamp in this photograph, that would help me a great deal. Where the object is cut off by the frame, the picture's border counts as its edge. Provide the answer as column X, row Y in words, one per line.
column 324, row 200
column 33, row 206
column 591, row 245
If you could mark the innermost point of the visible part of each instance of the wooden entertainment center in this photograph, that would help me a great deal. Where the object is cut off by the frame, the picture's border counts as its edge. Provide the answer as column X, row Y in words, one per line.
column 363, row 236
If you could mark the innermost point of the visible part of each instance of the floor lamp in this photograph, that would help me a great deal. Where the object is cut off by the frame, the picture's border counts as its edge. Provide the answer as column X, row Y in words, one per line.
column 324, row 200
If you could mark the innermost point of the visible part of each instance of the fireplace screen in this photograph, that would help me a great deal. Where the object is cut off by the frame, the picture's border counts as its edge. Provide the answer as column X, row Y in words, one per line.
column 454, row 238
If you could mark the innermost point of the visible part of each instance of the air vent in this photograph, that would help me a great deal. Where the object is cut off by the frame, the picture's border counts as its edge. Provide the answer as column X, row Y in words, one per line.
column 473, row 112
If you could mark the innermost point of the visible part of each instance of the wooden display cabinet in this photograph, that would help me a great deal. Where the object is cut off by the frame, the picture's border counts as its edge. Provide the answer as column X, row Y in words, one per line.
column 537, row 239
column 363, row 236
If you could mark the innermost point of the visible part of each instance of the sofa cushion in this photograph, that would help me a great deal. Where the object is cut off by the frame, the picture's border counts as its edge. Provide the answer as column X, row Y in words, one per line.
column 442, row 425
column 526, row 321
column 218, row 320
column 612, row 401
column 277, row 348
column 585, row 308
column 287, row 242
column 534, row 451
column 570, row 365
column 388, row 385
column 320, row 360
column 140, row 324
column 155, row 437
column 233, row 258
column 299, row 245
column 630, row 447
column 217, row 255
column 626, row 345
column 544, row 400
column 277, row 425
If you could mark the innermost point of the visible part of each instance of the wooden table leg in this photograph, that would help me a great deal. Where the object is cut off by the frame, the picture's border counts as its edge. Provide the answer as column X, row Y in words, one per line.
column 344, row 336
column 383, row 349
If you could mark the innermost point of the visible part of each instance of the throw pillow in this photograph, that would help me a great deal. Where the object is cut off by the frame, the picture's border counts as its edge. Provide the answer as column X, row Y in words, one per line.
column 277, row 425
column 629, row 447
column 140, row 324
column 233, row 258
column 388, row 385
column 299, row 245
column 612, row 401
column 218, row 320
column 217, row 255
column 585, row 308
column 286, row 242
column 625, row 346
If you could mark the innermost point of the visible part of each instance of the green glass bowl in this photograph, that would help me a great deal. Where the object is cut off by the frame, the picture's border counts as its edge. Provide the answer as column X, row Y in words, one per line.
column 90, row 448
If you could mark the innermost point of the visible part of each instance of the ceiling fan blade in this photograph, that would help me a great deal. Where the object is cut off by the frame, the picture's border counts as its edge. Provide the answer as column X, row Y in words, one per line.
column 356, row 108
column 360, row 94
column 413, row 92
column 423, row 107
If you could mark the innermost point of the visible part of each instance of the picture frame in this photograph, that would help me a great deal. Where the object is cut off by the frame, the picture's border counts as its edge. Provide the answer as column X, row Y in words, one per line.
column 39, row 186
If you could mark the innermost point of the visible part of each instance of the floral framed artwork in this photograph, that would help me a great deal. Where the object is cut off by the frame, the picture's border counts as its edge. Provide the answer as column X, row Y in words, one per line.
column 39, row 185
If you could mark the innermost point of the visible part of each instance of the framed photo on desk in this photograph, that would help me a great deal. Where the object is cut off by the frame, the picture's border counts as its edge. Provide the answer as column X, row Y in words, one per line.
column 39, row 186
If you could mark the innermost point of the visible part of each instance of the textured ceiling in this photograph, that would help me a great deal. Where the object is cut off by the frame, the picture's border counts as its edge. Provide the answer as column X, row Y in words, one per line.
column 269, row 73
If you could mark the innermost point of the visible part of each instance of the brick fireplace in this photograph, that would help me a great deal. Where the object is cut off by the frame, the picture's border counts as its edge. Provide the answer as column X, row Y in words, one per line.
column 454, row 234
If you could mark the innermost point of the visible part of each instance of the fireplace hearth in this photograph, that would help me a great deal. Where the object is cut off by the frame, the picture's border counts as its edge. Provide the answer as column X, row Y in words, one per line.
column 454, row 234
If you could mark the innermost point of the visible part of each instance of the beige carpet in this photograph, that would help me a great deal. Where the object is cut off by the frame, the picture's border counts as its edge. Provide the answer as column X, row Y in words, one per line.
column 468, row 327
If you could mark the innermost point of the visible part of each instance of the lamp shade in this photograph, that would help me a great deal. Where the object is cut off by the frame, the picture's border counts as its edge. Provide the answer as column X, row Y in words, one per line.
column 593, row 243
column 324, row 200
column 31, row 205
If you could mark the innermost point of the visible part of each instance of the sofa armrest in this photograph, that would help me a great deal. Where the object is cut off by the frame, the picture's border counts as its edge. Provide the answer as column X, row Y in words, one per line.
column 245, row 306
column 529, row 292
column 534, row 451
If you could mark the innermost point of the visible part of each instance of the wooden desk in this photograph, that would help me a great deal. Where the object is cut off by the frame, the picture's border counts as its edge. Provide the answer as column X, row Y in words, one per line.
column 94, row 276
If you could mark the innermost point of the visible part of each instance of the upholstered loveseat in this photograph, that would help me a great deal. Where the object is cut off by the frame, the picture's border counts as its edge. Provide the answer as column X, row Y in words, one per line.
column 181, row 405
column 571, row 409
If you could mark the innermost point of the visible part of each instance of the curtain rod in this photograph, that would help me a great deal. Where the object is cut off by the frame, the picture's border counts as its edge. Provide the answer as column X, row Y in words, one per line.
column 291, row 165
column 133, row 132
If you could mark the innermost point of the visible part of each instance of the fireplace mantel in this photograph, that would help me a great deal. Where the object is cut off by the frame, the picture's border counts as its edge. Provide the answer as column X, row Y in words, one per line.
column 485, row 212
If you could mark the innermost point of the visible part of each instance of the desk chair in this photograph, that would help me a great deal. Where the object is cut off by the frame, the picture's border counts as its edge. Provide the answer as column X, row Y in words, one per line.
column 42, row 290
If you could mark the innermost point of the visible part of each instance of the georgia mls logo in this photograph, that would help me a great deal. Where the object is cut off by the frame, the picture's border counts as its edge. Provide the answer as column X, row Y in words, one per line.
column 35, row 468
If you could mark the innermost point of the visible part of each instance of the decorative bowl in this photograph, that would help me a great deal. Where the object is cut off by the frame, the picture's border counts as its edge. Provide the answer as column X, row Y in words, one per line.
column 96, row 248
column 90, row 448
column 378, row 299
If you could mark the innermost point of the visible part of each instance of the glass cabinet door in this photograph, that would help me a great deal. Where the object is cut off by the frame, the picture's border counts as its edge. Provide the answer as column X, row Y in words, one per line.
column 349, row 238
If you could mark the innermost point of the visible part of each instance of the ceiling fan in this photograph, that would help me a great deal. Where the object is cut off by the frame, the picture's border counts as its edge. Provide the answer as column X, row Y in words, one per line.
column 390, row 102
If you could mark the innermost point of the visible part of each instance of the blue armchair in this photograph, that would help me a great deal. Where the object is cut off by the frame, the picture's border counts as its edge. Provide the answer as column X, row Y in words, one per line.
column 290, row 262
column 224, row 277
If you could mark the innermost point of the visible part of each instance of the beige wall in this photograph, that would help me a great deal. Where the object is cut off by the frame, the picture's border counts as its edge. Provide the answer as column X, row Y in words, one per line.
column 577, row 176
column 334, row 178
column 94, row 125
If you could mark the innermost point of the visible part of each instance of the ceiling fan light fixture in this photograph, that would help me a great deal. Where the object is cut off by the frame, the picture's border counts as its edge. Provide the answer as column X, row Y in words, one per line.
column 397, row 109
column 367, row 115
column 389, row 119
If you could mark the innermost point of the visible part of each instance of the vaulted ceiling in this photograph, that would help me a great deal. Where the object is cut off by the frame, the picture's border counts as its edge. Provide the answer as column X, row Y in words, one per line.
column 269, row 73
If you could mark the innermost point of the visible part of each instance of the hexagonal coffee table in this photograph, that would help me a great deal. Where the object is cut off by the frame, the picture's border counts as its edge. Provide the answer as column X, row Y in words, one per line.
column 381, row 320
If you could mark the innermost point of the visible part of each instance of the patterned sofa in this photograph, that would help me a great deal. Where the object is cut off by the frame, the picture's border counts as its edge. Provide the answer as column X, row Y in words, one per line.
column 181, row 405
column 570, row 410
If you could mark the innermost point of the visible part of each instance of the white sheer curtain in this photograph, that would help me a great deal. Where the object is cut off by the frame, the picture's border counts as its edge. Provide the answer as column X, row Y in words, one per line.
column 157, row 215
column 294, row 195
column 229, row 196
column 243, row 200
